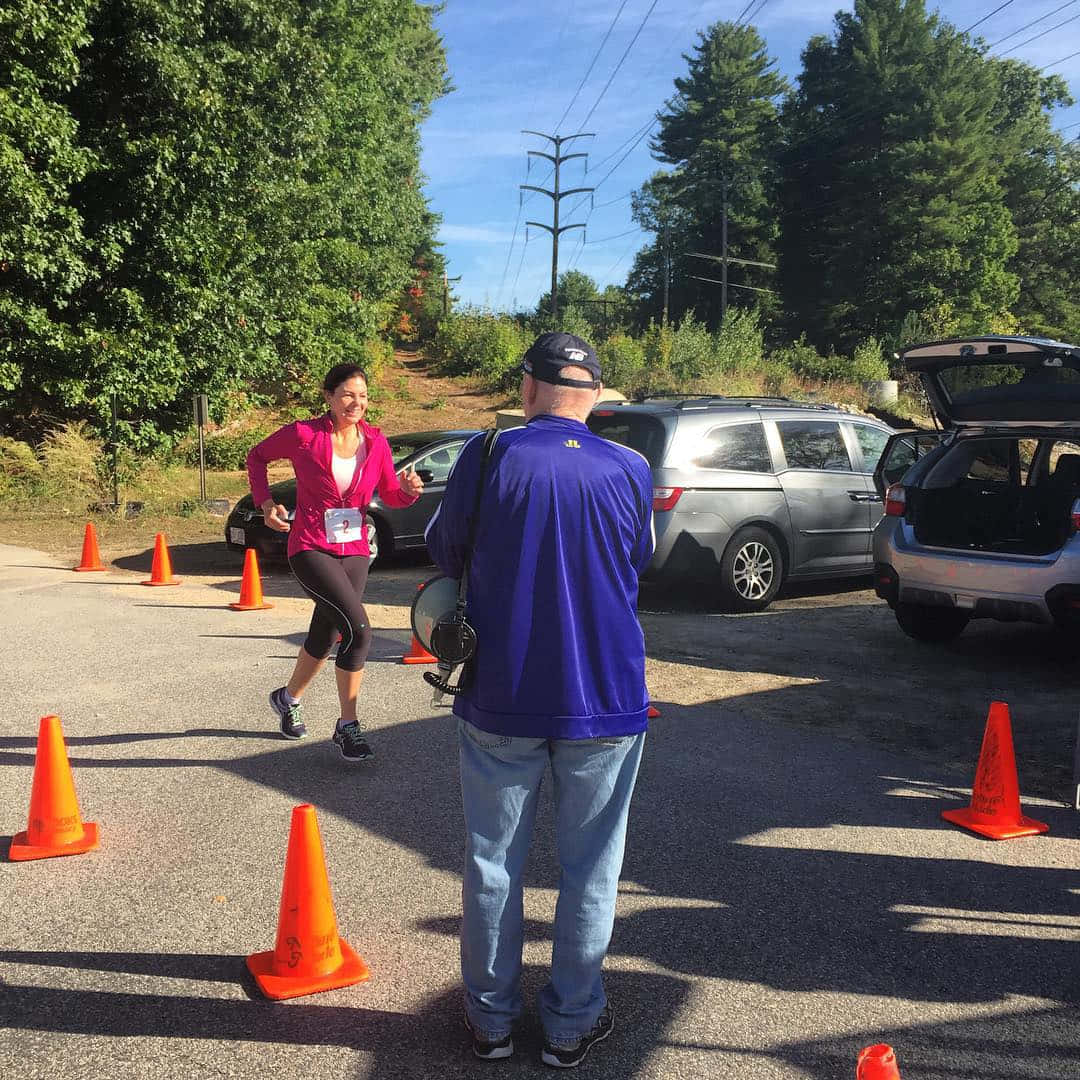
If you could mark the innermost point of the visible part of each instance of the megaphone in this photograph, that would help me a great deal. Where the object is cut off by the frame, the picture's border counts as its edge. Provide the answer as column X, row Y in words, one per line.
column 438, row 622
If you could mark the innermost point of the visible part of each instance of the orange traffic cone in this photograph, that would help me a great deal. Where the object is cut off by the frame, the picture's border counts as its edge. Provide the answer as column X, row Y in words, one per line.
column 251, row 595
column 91, row 557
column 653, row 712
column 309, row 955
column 55, row 827
column 995, row 799
column 161, row 571
column 877, row 1063
column 417, row 654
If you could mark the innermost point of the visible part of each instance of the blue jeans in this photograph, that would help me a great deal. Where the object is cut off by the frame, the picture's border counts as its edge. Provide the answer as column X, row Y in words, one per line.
column 500, row 786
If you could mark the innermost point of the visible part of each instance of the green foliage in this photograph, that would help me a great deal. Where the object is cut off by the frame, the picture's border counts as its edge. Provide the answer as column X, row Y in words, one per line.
column 21, row 475
column 225, row 451
column 740, row 342
column 202, row 196
column 868, row 362
column 622, row 360
column 74, row 465
column 481, row 344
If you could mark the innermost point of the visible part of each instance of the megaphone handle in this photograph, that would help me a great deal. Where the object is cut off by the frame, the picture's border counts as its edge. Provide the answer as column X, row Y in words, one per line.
column 441, row 684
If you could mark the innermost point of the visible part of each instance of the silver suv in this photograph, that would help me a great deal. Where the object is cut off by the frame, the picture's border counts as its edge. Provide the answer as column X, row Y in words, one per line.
column 982, row 519
column 751, row 492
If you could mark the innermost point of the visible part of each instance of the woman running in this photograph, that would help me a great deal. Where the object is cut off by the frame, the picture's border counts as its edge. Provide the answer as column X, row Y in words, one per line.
column 339, row 461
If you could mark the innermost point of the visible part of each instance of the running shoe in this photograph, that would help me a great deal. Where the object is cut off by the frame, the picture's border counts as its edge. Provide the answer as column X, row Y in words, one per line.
column 569, row 1057
column 292, row 727
column 352, row 744
column 489, row 1051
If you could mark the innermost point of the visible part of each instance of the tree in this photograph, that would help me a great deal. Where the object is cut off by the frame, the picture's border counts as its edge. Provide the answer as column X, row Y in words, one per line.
column 718, row 133
column 248, row 200
column 1042, row 192
column 892, row 187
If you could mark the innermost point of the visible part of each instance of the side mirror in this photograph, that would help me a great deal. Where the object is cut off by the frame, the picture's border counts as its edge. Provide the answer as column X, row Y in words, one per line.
column 426, row 475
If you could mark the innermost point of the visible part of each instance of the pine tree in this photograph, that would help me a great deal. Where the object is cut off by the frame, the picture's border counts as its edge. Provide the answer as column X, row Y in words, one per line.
column 892, row 195
column 718, row 133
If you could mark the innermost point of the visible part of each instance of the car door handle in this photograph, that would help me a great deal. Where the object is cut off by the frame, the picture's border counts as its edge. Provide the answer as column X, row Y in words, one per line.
column 860, row 496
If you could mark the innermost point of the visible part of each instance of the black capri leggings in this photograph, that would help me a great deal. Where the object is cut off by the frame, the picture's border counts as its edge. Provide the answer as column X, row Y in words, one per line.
column 336, row 584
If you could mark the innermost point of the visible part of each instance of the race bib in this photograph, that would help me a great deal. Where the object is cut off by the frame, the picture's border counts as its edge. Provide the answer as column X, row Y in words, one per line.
column 344, row 525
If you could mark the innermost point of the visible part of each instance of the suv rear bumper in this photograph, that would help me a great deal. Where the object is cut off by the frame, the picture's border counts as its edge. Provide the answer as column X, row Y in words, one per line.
column 1010, row 589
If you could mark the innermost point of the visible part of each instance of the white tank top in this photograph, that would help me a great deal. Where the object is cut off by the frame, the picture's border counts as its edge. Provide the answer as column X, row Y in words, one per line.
column 345, row 467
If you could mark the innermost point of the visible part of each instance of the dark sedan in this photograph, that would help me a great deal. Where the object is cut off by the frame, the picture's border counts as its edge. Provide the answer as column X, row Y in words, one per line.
column 431, row 453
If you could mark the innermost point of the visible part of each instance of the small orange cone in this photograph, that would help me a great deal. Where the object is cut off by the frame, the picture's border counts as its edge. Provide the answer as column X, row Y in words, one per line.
column 309, row 955
column 877, row 1063
column 995, row 798
column 417, row 654
column 653, row 712
column 161, row 571
column 91, row 557
column 251, row 595
column 55, row 827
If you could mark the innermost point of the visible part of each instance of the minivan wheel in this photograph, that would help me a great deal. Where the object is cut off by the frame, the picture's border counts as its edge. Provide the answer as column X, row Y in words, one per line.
column 925, row 622
column 751, row 570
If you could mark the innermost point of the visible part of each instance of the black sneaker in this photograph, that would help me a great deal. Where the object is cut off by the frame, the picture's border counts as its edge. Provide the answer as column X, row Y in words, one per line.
column 292, row 727
column 352, row 744
column 561, row 1058
column 489, row 1051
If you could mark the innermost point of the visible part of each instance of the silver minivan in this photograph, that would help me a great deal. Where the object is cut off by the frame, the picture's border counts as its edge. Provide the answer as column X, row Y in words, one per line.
column 751, row 492
column 982, row 520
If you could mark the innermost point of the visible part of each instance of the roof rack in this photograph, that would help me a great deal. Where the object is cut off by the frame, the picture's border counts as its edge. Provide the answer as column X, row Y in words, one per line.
column 701, row 401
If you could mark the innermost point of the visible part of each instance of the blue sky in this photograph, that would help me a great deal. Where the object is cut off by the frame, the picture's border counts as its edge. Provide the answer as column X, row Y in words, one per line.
column 517, row 65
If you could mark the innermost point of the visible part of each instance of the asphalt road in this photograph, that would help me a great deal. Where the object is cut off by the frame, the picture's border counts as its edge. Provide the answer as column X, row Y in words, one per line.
column 788, row 897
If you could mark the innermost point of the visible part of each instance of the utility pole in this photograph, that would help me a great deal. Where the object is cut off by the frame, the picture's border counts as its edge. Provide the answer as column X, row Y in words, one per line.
column 556, row 196
column 667, row 271
column 723, row 248
column 446, row 292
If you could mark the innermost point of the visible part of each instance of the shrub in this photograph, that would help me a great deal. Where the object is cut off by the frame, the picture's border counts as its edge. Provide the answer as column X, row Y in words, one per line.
column 21, row 475
column 622, row 359
column 868, row 363
column 475, row 343
column 225, row 451
column 76, row 467
column 692, row 351
column 740, row 342
column 805, row 360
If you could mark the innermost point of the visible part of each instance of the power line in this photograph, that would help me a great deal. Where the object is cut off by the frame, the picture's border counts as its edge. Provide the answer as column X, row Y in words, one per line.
column 1002, row 7
column 1055, row 64
column 1064, row 22
column 596, row 57
column 617, row 236
column 637, row 34
column 1026, row 26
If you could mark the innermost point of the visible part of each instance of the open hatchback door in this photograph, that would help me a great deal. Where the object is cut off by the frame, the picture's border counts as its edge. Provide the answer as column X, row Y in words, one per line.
column 999, row 381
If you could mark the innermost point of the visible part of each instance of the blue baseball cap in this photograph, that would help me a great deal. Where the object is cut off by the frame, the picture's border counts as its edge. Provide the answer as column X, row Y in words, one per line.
column 550, row 353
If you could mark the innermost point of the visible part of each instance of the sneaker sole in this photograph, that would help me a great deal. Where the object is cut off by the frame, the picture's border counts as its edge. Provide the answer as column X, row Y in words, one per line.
column 555, row 1063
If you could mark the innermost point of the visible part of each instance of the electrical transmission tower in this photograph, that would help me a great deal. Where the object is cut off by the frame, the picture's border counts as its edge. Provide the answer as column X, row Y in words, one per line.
column 556, row 195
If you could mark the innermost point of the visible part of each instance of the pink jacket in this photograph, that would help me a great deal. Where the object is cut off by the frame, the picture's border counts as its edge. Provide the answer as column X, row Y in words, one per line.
column 307, row 445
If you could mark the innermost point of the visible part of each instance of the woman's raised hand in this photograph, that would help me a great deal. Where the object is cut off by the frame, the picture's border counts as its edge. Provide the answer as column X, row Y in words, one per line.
column 411, row 483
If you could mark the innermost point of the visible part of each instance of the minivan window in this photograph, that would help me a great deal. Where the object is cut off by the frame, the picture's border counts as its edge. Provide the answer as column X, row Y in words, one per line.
column 734, row 446
column 872, row 442
column 640, row 432
column 814, row 444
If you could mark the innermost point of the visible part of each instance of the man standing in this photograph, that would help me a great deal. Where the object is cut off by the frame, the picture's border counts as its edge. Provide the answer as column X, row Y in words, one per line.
column 564, row 528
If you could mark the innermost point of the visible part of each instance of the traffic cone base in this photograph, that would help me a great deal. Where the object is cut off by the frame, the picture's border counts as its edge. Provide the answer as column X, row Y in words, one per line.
column 417, row 654
column 23, row 851
column 968, row 819
column 280, row 987
column 994, row 811
column 91, row 557
column 54, row 826
column 251, row 594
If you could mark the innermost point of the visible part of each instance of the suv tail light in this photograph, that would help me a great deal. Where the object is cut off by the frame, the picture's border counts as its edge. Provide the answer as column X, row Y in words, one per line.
column 1075, row 514
column 895, row 501
column 665, row 498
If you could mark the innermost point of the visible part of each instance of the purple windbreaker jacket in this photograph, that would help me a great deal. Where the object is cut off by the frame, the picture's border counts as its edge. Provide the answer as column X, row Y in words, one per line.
column 307, row 445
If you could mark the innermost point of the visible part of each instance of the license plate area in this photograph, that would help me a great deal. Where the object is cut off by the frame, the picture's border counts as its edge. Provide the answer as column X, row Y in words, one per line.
column 237, row 536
